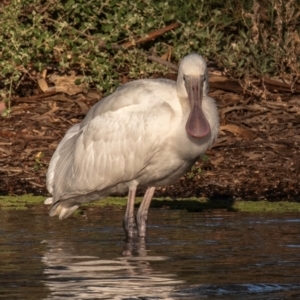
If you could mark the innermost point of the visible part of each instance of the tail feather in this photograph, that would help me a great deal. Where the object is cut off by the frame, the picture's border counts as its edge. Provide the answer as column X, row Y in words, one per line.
column 63, row 208
column 62, row 211
column 48, row 201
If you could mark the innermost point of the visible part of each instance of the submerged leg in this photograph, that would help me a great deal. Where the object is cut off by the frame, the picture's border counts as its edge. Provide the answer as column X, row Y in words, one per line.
column 129, row 221
column 135, row 247
column 142, row 214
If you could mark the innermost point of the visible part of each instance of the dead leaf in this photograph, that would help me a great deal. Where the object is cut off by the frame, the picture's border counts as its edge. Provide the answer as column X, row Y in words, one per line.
column 67, row 84
column 52, row 110
column 238, row 131
column 84, row 108
column 43, row 84
column 44, row 73
column 2, row 107
column 6, row 134
column 167, row 55
column 216, row 160
column 7, row 151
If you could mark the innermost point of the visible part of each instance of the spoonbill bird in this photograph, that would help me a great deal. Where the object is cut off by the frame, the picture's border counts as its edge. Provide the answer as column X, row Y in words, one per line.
column 148, row 133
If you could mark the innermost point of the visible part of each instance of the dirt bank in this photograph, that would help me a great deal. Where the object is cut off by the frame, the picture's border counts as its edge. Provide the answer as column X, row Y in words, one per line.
column 257, row 155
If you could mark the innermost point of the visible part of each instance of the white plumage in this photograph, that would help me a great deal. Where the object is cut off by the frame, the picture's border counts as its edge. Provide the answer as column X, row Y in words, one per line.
column 148, row 133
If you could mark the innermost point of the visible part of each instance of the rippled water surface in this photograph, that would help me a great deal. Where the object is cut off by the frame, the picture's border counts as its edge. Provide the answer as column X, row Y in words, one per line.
column 186, row 256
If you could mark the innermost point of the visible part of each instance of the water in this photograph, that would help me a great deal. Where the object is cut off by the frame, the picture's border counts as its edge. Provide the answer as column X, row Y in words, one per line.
column 187, row 256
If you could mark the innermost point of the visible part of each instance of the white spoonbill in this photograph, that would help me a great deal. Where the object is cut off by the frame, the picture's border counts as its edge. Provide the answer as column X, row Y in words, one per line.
column 148, row 133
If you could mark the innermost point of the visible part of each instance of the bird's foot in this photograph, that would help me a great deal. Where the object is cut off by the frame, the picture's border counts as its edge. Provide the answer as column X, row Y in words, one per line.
column 135, row 246
column 130, row 228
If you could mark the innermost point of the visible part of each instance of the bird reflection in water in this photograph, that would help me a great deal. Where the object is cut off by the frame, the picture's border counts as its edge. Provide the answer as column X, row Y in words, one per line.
column 70, row 275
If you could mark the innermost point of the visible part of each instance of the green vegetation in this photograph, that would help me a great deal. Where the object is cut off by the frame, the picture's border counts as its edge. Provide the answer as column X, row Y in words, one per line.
column 191, row 204
column 265, row 206
column 257, row 38
column 20, row 202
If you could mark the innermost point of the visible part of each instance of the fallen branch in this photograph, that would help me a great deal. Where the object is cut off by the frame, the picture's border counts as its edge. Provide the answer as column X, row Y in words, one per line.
column 150, row 36
column 277, row 85
column 34, row 98
column 36, row 137
column 8, row 134
column 163, row 62
column 231, row 85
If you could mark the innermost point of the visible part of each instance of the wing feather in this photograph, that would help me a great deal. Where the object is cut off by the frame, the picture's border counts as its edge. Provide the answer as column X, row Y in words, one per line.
column 110, row 149
column 57, row 154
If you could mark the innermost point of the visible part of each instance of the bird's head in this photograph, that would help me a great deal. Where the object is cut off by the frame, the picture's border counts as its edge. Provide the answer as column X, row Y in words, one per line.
column 192, row 84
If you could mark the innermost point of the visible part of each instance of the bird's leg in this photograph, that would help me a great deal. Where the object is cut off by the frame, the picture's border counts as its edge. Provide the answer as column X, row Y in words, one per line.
column 141, row 247
column 135, row 248
column 141, row 216
column 129, row 221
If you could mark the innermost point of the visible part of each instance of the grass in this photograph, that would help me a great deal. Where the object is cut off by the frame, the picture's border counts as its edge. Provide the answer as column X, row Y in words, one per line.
column 268, row 207
column 20, row 202
column 191, row 204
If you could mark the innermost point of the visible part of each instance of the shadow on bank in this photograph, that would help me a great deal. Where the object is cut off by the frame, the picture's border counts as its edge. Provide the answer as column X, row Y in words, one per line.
column 196, row 205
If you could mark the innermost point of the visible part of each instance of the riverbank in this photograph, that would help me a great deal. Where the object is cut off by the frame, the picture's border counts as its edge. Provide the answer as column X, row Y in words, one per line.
column 26, row 202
